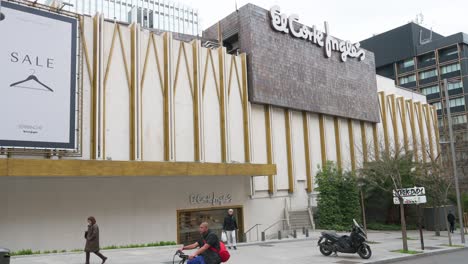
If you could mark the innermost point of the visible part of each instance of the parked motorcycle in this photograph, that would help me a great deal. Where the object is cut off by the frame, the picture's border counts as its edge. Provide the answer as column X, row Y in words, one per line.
column 331, row 242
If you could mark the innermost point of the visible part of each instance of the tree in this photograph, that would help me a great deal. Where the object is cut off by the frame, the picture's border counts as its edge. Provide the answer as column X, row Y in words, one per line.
column 394, row 168
column 438, row 183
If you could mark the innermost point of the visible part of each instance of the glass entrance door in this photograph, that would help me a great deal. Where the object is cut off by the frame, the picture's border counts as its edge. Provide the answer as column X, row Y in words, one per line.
column 189, row 220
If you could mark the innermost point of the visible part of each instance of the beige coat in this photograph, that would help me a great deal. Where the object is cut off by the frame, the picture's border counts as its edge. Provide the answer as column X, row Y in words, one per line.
column 92, row 239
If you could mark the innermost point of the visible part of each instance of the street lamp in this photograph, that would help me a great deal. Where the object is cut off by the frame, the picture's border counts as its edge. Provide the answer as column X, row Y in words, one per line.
column 454, row 162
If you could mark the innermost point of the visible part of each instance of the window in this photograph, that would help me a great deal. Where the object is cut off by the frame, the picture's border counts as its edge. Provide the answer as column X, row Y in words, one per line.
column 407, row 79
column 427, row 58
column 450, row 68
column 427, row 74
column 407, row 63
column 457, row 85
column 451, row 52
column 457, row 102
column 456, row 120
column 430, row 90
column 437, row 105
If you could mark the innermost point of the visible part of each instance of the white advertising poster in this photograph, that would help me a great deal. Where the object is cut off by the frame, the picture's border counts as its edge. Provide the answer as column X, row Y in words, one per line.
column 37, row 78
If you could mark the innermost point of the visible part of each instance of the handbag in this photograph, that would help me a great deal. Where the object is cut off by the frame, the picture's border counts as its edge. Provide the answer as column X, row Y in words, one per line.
column 224, row 236
column 86, row 234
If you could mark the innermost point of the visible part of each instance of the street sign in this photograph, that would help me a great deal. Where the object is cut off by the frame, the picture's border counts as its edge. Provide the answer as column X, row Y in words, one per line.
column 411, row 200
column 415, row 195
column 415, row 191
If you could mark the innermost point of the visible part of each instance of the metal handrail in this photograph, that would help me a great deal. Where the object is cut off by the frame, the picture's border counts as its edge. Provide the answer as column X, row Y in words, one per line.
column 311, row 217
column 286, row 212
column 281, row 220
column 251, row 228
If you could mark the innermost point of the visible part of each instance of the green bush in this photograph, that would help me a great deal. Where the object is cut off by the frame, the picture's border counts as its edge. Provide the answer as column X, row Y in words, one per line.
column 389, row 227
column 154, row 244
column 111, row 247
column 22, row 252
column 338, row 198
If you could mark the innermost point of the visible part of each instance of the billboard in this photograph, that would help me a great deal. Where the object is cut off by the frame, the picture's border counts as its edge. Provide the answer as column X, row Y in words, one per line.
column 38, row 52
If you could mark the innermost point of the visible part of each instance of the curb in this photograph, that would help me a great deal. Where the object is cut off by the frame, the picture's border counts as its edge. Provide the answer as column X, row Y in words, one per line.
column 175, row 247
column 276, row 241
column 416, row 256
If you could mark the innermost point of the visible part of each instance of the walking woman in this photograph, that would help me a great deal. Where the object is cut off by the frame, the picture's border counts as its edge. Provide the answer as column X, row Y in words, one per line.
column 92, row 240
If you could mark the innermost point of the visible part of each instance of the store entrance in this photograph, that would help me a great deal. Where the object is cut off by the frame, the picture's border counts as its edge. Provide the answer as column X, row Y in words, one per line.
column 189, row 220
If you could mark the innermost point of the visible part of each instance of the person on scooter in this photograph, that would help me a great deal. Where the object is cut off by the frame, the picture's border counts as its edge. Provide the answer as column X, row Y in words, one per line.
column 204, row 255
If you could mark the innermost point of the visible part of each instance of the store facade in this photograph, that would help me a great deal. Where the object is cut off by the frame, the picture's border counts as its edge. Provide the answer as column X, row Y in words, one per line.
column 169, row 133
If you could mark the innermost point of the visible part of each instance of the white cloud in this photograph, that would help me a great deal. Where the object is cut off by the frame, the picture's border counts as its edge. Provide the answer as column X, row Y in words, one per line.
column 353, row 20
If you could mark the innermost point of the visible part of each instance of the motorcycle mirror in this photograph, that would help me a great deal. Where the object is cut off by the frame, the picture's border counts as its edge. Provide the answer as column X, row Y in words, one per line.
column 355, row 223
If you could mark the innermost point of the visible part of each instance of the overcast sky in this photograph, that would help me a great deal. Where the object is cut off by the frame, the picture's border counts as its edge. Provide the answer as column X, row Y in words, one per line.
column 352, row 20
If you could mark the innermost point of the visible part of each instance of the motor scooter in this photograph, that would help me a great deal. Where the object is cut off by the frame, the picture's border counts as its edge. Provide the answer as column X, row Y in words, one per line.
column 331, row 242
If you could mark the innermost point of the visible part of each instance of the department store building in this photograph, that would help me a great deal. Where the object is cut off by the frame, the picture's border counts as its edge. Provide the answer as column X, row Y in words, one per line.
column 152, row 135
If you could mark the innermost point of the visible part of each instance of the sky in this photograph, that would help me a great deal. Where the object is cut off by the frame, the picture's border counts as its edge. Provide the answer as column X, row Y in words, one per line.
column 351, row 20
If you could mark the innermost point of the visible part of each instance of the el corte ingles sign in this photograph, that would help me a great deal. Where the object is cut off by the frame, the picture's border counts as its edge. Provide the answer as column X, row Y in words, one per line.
column 282, row 23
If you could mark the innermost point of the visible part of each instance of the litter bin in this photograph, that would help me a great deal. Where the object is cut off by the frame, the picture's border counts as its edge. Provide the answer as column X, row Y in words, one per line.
column 4, row 256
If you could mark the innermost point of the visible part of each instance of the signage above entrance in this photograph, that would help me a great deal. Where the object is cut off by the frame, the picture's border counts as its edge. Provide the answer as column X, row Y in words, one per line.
column 282, row 23
column 211, row 199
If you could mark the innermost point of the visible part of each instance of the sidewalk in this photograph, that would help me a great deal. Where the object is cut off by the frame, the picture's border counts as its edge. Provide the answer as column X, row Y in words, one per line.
column 286, row 251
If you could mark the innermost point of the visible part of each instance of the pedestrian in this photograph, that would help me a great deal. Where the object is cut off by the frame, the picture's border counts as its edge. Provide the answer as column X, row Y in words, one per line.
column 92, row 240
column 451, row 219
column 230, row 227
column 203, row 255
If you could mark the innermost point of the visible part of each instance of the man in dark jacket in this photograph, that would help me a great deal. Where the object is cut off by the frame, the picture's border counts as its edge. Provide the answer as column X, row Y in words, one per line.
column 451, row 219
column 230, row 227
column 204, row 255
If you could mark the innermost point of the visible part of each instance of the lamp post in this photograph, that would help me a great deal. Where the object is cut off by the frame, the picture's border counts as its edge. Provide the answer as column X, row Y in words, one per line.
column 454, row 162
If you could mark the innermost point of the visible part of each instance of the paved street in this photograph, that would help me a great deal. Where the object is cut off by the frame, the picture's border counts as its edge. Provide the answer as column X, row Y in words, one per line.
column 285, row 252
column 449, row 258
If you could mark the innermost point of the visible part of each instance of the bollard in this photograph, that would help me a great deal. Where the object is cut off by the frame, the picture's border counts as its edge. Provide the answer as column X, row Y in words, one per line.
column 279, row 235
column 303, row 230
column 294, row 233
column 307, row 232
column 263, row 236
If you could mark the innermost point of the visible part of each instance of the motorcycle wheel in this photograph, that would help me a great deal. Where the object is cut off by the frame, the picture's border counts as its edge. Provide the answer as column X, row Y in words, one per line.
column 325, row 249
column 364, row 251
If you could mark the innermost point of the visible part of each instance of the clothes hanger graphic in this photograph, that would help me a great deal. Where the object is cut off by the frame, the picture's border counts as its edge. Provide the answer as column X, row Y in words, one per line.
column 32, row 77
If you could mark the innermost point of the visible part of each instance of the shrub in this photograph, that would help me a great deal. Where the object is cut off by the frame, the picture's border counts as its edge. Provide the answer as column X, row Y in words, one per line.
column 338, row 198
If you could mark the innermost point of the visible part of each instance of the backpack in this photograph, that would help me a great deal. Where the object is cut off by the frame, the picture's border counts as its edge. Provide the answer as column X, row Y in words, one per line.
column 223, row 252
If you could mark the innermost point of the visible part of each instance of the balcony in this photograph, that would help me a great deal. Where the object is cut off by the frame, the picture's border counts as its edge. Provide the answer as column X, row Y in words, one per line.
column 428, row 80
column 433, row 96
column 408, row 85
column 445, row 58
column 425, row 64
column 450, row 75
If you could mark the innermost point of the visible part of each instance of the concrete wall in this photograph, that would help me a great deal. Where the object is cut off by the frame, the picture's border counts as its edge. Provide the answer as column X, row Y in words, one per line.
column 50, row 213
